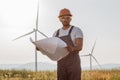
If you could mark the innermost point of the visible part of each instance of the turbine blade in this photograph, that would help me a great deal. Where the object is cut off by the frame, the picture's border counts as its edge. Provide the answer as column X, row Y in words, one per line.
column 93, row 47
column 96, row 61
column 31, row 40
column 37, row 17
column 84, row 55
column 24, row 35
column 42, row 34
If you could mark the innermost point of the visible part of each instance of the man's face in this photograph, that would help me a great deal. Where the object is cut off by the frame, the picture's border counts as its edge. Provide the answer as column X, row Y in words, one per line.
column 65, row 20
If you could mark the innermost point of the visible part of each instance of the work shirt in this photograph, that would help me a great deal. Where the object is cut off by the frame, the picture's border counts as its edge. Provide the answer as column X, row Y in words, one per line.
column 76, row 33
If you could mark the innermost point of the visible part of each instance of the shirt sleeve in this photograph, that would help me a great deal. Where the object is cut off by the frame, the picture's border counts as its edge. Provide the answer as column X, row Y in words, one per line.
column 79, row 33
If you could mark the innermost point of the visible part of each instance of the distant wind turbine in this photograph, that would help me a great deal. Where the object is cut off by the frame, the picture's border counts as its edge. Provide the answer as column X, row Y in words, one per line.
column 91, row 56
column 34, row 30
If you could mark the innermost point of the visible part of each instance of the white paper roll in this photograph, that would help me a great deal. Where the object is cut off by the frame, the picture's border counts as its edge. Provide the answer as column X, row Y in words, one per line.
column 53, row 47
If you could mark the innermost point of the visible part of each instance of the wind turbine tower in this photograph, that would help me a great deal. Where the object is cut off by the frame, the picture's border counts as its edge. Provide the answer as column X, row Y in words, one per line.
column 91, row 56
column 36, row 31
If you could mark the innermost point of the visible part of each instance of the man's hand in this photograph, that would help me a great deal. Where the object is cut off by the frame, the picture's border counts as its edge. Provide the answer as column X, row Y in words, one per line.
column 77, row 47
column 70, row 48
column 37, row 49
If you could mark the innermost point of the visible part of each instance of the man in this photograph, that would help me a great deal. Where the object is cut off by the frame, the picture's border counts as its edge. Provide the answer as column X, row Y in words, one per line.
column 69, row 67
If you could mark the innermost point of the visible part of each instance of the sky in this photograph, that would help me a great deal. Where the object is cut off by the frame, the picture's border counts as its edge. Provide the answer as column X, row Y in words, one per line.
column 98, row 19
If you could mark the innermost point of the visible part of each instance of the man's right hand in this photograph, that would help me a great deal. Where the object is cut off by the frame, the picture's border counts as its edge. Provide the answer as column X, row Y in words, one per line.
column 70, row 48
column 37, row 49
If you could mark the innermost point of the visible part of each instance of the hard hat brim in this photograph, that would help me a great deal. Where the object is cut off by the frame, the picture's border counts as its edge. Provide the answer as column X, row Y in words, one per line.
column 64, row 15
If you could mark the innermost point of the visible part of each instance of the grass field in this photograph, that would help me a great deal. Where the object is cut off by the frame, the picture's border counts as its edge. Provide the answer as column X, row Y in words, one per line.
column 51, row 75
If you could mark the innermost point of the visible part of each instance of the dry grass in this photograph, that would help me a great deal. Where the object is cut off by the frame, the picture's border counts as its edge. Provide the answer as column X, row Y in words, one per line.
column 101, row 75
column 51, row 75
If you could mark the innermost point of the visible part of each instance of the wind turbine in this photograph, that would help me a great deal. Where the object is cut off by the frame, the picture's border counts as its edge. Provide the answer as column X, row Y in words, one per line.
column 91, row 56
column 34, row 30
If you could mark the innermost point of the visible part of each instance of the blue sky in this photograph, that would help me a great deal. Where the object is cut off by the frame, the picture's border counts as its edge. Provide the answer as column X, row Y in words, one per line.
column 98, row 19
